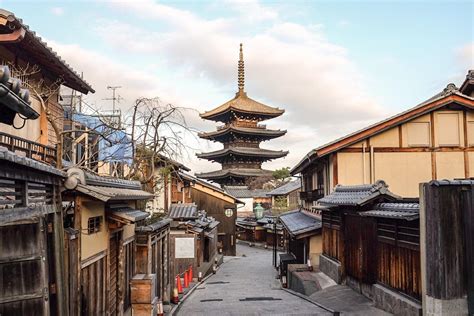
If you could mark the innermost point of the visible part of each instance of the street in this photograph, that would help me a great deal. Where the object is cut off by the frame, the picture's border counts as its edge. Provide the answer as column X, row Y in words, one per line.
column 246, row 285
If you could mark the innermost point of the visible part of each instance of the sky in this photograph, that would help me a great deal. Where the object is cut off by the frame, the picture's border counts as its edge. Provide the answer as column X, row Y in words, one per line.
column 334, row 66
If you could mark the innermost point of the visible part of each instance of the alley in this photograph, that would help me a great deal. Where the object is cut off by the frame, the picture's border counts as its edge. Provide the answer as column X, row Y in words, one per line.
column 246, row 285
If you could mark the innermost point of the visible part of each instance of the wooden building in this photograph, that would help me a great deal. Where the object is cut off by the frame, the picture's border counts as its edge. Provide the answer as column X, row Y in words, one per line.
column 193, row 239
column 433, row 140
column 241, row 158
column 302, row 234
column 215, row 202
column 23, row 50
column 100, row 220
column 286, row 197
column 153, row 255
column 371, row 241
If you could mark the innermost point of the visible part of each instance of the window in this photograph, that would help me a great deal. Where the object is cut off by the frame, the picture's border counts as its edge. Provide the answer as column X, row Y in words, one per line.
column 93, row 224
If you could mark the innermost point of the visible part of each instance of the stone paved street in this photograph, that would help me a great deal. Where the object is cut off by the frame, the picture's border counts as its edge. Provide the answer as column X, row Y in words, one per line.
column 240, row 278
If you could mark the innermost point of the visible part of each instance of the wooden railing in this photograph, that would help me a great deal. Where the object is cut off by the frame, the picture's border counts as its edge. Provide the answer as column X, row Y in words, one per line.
column 313, row 195
column 31, row 149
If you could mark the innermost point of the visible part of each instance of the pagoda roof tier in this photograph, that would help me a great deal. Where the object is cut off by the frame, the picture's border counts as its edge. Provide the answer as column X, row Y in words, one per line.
column 233, row 173
column 264, row 154
column 255, row 132
column 244, row 105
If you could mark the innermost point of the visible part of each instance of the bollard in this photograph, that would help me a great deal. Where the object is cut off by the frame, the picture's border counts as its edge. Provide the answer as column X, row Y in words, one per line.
column 175, row 298
column 179, row 285
column 214, row 269
column 199, row 276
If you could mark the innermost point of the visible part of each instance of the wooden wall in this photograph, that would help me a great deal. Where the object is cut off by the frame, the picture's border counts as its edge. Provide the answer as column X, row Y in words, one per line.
column 333, row 239
column 216, row 207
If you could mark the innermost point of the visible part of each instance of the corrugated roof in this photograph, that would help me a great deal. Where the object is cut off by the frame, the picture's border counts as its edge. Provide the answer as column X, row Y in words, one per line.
column 6, row 155
column 245, row 192
column 298, row 222
column 183, row 211
column 286, row 188
column 354, row 195
column 395, row 210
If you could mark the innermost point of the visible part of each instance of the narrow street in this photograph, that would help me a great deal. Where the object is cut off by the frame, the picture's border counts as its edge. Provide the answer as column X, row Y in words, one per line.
column 246, row 285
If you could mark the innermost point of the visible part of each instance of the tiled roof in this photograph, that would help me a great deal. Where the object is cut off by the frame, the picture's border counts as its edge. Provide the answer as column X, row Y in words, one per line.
column 245, row 192
column 93, row 179
column 244, row 151
column 6, row 155
column 154, row 226
column 395, row 210
column 183, row 211
column 106, row 194
column 286, row 188
column 42, row 49
column 242, row 103
column 243, row 130
column 356, row 195
column 453, row 182
column 127, row 213
column 234, row 172
column 298, row 222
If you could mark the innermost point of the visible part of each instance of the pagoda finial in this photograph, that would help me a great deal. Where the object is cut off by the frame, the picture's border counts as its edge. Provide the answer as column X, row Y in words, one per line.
column 241, row 71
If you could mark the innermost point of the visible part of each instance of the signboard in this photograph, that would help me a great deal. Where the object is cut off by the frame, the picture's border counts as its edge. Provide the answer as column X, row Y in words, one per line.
column 184, row 248
column 229, row 212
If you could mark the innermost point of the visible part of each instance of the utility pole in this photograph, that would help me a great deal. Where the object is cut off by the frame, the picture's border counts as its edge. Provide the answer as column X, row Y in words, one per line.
column 114, row 98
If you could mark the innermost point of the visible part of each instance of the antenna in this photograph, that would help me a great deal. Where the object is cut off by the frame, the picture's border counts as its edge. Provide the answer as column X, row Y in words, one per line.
column 114, row 98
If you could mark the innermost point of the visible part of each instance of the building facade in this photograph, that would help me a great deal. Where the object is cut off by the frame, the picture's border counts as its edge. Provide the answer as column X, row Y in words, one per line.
column 434, row 140
column 241, row 158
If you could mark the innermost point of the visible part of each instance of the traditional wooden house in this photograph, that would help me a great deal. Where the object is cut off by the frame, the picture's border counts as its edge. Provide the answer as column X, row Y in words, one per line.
column 153, row 255
column 433, row 140
column 302, row 234
column 250, row 198
column 215, row 202
column 241, row 158
column 25, row 52
column 193, row 239
column 286, row 197
column 101, row 216
column 371, row 241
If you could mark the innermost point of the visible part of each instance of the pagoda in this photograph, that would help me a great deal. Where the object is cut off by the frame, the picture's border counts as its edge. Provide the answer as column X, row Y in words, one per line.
column 241, row 134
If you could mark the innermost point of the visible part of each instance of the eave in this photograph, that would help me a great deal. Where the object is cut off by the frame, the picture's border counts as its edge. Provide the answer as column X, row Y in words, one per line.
column 243, row 152
column 261, row 133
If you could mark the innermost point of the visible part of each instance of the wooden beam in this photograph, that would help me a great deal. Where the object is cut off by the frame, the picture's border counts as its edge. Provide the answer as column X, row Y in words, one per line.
column 335, row 170
column 400, row 136
column 433, row 166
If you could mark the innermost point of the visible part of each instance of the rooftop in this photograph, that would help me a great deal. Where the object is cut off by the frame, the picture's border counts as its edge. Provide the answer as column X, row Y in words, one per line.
column 298, row 222
column 286, row 188
column 244, row 151
column 245, row 192
column 237, row 172
column 9, row 156
column 183, row 211
column 394, row 210
column 357, row 195
column 251, row 131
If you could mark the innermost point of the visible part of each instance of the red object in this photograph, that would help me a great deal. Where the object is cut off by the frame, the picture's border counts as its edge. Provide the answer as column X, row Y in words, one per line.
column 186, row 279
column 179, row 285
column 190, row 273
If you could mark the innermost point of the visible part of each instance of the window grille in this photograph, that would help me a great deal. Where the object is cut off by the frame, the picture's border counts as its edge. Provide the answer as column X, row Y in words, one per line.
column 94, row 224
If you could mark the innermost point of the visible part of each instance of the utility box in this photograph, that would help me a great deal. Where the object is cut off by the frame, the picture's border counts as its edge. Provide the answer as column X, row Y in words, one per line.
column 143, row 288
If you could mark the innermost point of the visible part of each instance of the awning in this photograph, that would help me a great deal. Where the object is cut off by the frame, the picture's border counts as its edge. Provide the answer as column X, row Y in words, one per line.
column 107, row 194
column 126, row 214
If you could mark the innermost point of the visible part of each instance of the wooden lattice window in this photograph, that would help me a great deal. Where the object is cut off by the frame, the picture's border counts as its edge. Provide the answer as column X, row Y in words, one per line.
column 94, row 224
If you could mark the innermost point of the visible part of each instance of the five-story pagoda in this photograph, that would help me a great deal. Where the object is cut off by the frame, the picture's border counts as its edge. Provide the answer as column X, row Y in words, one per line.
column 241, row 158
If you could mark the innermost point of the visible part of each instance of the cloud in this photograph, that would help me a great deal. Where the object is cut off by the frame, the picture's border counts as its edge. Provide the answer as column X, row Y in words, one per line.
column 466, row 55
column 58, row 11
column 288, row 65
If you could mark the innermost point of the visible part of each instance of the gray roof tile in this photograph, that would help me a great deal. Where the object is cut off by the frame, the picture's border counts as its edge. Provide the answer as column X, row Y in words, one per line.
column 10, row 156
column 356, row 195
column 298, row 222
column 395, row 210
column 183, row 211
column 286, row 188
column 245, row 192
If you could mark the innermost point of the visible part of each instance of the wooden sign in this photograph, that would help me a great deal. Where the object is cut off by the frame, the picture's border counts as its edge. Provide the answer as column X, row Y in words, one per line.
column 184, row 248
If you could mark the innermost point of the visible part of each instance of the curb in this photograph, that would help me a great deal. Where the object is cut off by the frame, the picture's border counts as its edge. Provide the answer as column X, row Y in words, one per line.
column 306, row 298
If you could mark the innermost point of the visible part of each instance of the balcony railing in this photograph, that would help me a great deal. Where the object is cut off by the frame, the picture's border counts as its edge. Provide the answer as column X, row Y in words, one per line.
column 313, row 195
column 31, row 149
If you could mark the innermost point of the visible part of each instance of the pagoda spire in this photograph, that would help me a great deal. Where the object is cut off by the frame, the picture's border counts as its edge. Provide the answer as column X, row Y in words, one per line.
column 241, row 72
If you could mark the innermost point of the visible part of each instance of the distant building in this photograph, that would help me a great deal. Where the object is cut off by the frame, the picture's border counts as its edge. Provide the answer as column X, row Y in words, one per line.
column 250, row 198
column 286, row 197
column 241, row 158
column 434, row 140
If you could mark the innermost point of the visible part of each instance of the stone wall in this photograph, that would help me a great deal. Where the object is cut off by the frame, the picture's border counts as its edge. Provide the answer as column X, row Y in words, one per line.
column 331, row 268
column 395, row 303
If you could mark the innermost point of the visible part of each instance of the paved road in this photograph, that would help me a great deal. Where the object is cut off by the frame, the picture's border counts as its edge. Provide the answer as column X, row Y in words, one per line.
column 240, row 283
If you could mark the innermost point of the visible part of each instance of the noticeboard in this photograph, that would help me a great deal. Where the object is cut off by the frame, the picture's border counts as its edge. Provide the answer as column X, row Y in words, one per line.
column 184, row 248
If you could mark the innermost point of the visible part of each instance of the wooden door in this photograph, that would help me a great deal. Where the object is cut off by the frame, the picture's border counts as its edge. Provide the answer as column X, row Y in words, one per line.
column 113, row 274
column 24, row 268
column 360, row 237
